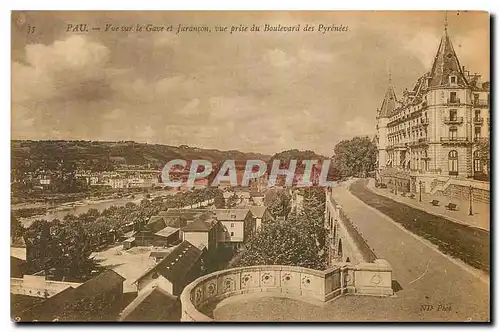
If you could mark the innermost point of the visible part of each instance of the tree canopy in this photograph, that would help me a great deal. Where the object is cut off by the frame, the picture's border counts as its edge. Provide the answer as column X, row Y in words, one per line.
column 356, row 156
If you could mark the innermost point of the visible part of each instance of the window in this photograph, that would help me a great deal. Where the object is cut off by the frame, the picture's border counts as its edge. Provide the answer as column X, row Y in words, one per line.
column 477, row 132
column 476, row 97
column 232, row 233
column 477, row 115
column 453, row 115
column 453, row 133
column 453, row 79
column 477, row 162
column 232, row 225
column 453, row 97
column 453, row 162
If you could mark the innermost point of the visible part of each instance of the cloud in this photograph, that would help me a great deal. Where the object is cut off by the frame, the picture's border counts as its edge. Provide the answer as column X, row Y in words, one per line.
column 66, row 69
column 262, row 92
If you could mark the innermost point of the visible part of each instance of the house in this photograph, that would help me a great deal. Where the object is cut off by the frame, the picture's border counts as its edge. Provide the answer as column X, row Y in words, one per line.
column 152, row 305
column 174, row 271
column 18, row 267
column 202, row 232
column 159, row 231
column 261, row 215
column 237, row 226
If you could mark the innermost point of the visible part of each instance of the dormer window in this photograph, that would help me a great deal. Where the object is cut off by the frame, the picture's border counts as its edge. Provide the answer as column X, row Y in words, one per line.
column 453, row 80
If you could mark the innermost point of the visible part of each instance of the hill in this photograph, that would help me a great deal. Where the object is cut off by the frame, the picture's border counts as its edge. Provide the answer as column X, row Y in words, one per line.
column 99, row 156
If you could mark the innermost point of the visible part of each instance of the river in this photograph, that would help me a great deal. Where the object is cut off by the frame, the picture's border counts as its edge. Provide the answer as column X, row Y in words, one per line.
column 83, row 206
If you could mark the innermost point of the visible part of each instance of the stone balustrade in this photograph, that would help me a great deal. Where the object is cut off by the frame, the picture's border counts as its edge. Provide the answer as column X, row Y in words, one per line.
column 373, row 279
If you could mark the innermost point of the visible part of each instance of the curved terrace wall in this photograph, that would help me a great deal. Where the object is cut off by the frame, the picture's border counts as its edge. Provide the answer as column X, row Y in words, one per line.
column 285, row 281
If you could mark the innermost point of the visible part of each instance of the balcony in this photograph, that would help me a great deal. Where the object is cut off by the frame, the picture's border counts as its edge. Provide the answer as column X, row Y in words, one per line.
column 478, row 121
column 455, row 101
column 200, row 298
column 454, row 140
column 455, row 120
column 480, row 102
column 420, row 141
column 480, row 139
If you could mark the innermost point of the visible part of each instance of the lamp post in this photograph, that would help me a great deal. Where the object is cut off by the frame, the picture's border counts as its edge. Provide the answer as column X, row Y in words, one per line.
column 420, row 187
column 395, row 186
column 470, row 201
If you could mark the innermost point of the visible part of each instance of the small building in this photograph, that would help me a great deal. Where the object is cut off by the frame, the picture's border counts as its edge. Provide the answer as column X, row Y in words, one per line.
column 202, row 233
column 261, row 215
column 237, row 226
column 129, row 243
column 175, row 271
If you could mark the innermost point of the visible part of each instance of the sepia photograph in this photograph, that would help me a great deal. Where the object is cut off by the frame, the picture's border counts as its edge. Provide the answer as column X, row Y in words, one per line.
column 250, row 166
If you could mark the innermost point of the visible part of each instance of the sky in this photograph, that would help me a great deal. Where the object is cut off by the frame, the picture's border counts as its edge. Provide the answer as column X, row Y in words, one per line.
column 249, row 91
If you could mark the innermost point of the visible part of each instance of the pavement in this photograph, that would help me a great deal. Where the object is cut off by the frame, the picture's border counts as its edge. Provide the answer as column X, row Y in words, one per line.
column 480, row 211
column 427, row 276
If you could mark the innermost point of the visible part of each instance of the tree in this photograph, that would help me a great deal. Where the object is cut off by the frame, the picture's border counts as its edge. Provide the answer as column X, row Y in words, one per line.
column 278, row 203
column 232, row 201
column 484, row 149
column 16, row 227
column 280, row 244
column 356, row 156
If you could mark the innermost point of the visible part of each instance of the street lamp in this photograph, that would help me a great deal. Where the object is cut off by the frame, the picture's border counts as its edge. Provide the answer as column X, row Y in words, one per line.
column 395, row 186
column 420, row 186
column 470, row 201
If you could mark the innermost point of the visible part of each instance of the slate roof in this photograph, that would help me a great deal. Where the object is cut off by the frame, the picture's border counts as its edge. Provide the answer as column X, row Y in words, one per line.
column 167, row 231
column 177, row 264
column 231, row 214
column 200, row 225
column 389, row 104
column 257, row 211
column 154, row 304
column 99, row 284
column 446, row 64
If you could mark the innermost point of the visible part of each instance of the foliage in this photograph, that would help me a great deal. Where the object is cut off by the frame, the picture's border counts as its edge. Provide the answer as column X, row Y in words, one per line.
column 278, row 203
column 280, row 244
column 66, row 246
column 298, row 241
column 16, row 228
column 484, row 150
column 232, row 201
column 356, row 156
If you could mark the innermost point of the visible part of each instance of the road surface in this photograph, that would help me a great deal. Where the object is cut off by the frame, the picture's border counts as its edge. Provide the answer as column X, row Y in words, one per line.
column 430, row 285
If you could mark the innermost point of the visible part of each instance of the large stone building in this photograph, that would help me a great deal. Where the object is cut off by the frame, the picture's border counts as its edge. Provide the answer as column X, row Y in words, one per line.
column 433, row 132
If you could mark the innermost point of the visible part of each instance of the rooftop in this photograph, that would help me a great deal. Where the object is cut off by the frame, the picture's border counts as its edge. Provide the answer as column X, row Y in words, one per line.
column 175, row 266
column 231, row 214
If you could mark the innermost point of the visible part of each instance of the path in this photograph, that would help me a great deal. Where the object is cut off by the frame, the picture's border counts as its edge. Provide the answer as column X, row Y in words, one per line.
column 480, row 211
column 427, row 276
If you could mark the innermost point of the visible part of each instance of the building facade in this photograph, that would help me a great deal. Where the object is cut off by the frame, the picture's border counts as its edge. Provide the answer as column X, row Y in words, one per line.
column 436, row 130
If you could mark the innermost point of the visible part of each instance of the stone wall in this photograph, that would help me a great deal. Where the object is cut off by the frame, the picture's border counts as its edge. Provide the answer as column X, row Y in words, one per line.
column 285, row 281
column 344, row 241
column 199, row 204
column 459, row 189
column 38, row 286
